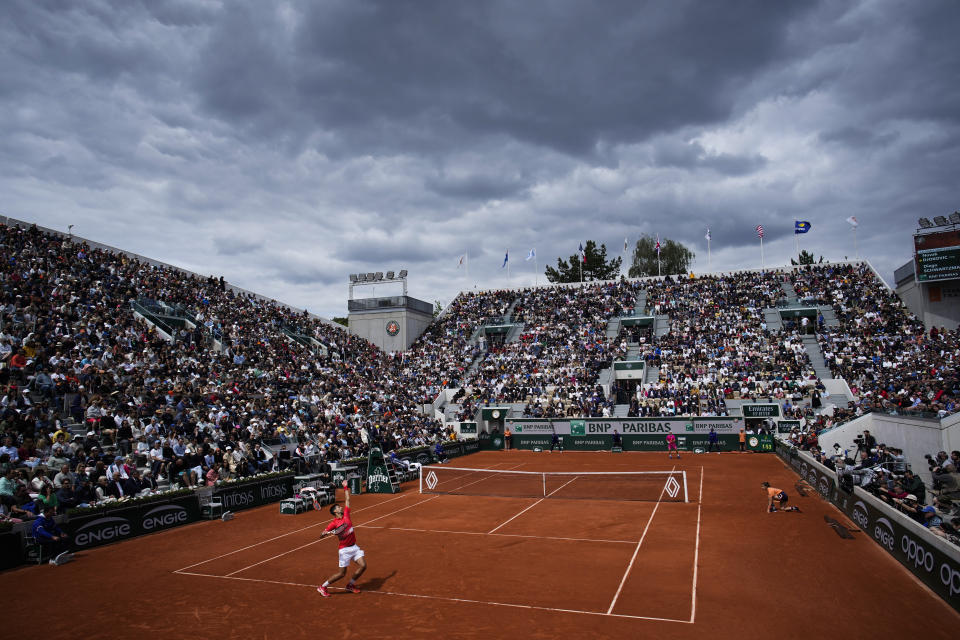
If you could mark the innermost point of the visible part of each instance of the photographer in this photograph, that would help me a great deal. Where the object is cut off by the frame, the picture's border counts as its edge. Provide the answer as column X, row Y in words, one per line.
column 910, row 507
column 865, row 442
column 947, row 480
column 913, row 484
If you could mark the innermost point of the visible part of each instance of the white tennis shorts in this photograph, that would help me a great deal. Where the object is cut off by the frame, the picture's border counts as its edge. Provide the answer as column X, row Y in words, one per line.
column 349, row 553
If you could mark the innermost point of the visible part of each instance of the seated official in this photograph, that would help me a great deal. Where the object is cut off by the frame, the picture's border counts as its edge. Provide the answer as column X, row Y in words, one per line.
column 48, row 533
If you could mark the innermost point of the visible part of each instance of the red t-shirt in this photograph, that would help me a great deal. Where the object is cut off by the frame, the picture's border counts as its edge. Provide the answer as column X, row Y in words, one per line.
column 343, row 527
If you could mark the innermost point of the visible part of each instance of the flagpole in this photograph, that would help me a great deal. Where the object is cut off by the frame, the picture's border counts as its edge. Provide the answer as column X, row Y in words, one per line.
column 466, row 261
column 709, row 257
column 796, row 242
column 856, row 250
column 762, row 267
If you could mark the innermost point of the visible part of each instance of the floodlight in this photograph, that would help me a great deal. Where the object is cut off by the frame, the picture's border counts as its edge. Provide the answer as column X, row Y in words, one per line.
column 403, row 273
column 940, row 221
column 353, row 277
column 955, row 217
column 389, row 275
column 379, row 275
column 924, row 223
column 370, row 276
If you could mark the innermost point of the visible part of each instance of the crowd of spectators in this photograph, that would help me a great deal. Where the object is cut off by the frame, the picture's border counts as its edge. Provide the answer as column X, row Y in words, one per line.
column 74, row 353
column 882, row 350
column 552, row 367
column 247, row 376
column 718, row 346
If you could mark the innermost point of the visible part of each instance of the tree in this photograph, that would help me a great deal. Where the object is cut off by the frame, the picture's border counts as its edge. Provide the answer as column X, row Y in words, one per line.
column 804, row 258
column 341, row 320
column 596, row 266
column 437, row 308
column 674, row 258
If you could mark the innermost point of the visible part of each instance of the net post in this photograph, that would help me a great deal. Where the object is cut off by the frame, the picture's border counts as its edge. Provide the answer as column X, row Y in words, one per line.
column 685, row 497
column 420, row 480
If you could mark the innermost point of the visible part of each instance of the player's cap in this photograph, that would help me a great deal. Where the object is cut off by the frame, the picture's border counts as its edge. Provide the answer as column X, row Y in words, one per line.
column 910, row 496
column 928, row 509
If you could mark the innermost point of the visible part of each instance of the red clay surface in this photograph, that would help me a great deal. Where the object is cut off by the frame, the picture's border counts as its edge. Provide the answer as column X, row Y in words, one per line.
column 470, row 566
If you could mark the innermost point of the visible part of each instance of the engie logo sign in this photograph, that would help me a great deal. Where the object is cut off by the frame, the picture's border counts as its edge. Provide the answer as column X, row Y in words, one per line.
column 162, row 517
column 101, row 531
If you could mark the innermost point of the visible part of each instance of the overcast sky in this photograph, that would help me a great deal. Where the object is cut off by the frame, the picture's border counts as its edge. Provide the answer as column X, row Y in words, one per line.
column 285, row 145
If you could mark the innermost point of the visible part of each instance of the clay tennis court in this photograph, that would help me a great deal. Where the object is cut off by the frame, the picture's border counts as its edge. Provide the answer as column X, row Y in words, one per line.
column 456, row 566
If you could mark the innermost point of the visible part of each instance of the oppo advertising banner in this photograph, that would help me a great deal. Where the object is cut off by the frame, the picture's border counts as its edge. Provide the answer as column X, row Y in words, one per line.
column 625, row 426
column 930, row 559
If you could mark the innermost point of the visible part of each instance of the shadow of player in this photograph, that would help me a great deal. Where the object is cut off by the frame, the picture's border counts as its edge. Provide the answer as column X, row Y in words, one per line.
column 374, row 584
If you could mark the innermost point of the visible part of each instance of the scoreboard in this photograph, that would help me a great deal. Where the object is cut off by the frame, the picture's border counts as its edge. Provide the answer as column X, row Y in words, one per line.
column 937, row 256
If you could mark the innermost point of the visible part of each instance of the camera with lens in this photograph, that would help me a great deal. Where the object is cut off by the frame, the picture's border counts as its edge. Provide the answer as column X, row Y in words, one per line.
column 858, row 440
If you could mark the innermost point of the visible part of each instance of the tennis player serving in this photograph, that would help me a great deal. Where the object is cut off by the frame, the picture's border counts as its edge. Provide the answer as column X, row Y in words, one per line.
column 342, row 527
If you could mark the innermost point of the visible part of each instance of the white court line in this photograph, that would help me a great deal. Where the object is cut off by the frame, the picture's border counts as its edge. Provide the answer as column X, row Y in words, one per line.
column 447, row 599
column 289, row 533
column 232, row 573
column 626, row 573
column 481, row 479
column 282, row 535
column 696, row 554
column 534, row 504
column 505, row 535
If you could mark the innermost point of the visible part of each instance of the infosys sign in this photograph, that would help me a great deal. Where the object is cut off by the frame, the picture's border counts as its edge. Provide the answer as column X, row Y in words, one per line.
column 255, row 494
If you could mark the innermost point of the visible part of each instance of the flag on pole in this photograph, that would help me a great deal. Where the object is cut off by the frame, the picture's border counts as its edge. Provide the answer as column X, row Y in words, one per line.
column 531, row 255
column 708, row 235
column 583, row 254
column 624, row 243
column 801, row 226
column 506, row 257
column 760, row 231
column 853, row 221
column 462, row 258
column 658, row 244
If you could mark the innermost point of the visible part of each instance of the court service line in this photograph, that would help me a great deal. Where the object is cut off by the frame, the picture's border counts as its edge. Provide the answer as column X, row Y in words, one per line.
column 626, row 573
column 232, row 573
column 696, row 554
column 533, row 505
column 505, row 535
column 513, row 468
column 282, row 535
column 445, row 598
column 289, row 533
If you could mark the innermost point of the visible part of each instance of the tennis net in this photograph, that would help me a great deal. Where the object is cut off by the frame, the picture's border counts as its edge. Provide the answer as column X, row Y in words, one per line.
column 663, row 486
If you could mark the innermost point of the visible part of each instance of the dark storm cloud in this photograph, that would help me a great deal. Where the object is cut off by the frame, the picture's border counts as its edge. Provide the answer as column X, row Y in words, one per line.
column 288, row 144
column 564, row 76
column 854, row 137
column 226, row 246
column 692, row 155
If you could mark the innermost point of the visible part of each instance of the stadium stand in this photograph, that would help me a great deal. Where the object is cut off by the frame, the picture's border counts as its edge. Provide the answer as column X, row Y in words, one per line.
column 134, row 375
